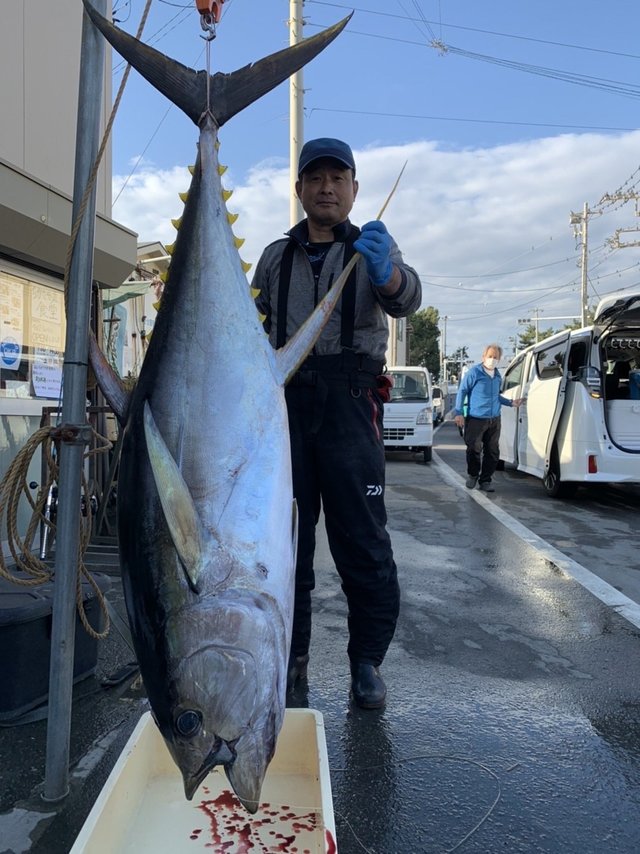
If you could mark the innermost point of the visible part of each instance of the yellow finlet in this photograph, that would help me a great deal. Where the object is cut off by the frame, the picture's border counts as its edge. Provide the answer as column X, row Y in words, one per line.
column 226, row 194
column 238, row 241
column 176, row 223
column 255, row 292
column 164, row 276
column 262, row 317
column 184, row 196
column 246, row 266
column 222, row 169
column 191, row 169
column 156, row 305
column 231, row 218
column 170, row 247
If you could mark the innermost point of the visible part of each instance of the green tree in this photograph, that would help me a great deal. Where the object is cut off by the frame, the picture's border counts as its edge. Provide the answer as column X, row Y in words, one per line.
column 424, row 347
column 529, row 336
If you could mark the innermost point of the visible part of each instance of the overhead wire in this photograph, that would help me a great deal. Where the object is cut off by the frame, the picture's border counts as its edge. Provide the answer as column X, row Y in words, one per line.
column 380, row 114
column 477, row 30
column 618, row 87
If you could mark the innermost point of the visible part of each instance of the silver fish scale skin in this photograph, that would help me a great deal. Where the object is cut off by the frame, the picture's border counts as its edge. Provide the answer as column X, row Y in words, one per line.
column 211, row 383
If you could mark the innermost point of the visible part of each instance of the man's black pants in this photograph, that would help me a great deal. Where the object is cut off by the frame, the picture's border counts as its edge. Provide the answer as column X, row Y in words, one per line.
column 337, row 454
column 482, row 438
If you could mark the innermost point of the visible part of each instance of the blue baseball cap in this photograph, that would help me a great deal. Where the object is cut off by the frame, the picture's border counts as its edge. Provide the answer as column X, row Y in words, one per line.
column 322, row 148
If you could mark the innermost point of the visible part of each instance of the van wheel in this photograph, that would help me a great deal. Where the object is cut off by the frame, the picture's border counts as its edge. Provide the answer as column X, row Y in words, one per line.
column 553, row 486
column 427, row 454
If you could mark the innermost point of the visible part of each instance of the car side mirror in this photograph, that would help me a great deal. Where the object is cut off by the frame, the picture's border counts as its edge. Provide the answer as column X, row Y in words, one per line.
column 591, row 379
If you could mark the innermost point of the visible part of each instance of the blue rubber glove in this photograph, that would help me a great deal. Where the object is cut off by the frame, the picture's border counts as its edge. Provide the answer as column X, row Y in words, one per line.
column 374, row 244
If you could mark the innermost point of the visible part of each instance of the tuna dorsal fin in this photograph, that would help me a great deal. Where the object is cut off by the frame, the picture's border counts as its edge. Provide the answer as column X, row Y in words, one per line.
column 229, row 93
column 109, row 382
column 186, row 529
column 296, row 350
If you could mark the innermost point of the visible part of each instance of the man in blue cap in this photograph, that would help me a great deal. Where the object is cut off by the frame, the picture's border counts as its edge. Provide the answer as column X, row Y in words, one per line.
column 335, row 406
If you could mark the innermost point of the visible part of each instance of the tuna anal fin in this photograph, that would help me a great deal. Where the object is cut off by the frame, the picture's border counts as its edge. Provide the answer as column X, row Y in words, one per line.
column 185, row 527
column 296, row 350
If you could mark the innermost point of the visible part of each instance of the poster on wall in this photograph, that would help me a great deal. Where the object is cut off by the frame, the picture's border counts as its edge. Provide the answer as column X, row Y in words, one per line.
column 47, row 318
column 46, row 373
column 11, row 322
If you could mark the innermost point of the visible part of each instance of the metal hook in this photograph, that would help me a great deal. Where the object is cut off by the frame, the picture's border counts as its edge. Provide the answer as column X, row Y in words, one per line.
column 208, row 24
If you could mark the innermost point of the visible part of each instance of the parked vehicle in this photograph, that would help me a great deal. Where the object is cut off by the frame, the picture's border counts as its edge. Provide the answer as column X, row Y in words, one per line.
column 437, row 402
column 408, row 417
column 581, row 420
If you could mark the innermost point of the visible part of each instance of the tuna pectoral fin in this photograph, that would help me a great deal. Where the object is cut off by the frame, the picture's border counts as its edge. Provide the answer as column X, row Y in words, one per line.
column 229, row 93
column 295, row 351
column 186, row 529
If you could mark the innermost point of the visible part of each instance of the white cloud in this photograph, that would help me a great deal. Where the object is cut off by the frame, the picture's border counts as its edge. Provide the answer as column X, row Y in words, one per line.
column 487, row 229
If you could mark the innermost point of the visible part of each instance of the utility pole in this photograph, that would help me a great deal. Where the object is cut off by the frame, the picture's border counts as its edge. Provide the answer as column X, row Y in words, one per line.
column 580, row 223
column 615, row 241
column 296, row 115
column 443, row 351
column 536, row 311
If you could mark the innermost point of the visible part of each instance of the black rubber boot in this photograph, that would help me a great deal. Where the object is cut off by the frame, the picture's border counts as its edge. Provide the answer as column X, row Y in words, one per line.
column 367, row 686
column 296, row 671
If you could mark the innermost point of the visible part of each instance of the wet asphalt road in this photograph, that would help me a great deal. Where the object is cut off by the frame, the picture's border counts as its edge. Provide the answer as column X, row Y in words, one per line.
column 513, row 715
column 598, row 527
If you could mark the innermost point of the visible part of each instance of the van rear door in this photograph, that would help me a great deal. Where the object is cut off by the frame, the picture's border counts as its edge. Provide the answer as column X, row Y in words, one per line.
column 545, row 392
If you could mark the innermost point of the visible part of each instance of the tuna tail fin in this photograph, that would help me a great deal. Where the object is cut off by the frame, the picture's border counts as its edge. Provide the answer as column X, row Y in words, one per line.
column 229, row 93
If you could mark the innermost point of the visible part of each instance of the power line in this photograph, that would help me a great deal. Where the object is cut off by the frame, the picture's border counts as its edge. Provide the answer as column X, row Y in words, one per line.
column 477, row 30
column 308, row 113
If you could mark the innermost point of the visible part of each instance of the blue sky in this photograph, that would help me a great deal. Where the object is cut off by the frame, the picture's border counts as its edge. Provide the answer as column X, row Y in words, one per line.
column 498, row 157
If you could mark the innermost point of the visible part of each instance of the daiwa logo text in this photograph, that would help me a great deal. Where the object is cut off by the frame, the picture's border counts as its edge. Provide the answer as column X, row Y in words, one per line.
column 373, row 489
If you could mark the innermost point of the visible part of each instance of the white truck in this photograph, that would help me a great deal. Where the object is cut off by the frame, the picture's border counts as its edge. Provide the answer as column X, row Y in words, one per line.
column 408, row 416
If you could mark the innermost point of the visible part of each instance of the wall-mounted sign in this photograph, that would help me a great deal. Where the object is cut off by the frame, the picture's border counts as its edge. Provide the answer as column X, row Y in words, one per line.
column 46, row 373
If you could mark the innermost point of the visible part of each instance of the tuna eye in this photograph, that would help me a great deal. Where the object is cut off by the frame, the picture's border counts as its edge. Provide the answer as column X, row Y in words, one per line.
column 188, row 723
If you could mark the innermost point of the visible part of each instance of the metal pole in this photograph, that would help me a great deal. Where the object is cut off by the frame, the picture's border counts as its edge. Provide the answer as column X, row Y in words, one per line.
column 443, row 351
column 56, row 785
column 296, row 118
column 583, row 290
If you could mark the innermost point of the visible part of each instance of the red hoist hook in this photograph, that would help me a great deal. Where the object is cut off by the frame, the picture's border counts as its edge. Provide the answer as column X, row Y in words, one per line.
column 210, row 14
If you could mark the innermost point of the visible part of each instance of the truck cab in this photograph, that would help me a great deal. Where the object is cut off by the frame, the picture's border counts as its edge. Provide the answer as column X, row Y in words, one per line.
column 408, row 416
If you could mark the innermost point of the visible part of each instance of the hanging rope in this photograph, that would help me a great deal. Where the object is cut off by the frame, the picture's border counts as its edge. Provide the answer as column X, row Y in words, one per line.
column 14, row 484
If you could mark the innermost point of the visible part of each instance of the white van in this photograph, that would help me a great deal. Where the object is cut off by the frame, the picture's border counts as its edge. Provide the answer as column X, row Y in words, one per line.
column 581, row 420
column 408, row 417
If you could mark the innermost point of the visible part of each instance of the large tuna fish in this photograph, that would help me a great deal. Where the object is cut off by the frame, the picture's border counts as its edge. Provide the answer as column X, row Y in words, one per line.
column 206, row 517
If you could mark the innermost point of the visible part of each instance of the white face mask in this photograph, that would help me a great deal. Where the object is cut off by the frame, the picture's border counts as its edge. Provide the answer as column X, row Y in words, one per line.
column 490, row 362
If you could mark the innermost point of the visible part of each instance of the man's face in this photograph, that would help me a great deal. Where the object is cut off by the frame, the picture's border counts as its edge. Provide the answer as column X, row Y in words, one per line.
column 327, row 191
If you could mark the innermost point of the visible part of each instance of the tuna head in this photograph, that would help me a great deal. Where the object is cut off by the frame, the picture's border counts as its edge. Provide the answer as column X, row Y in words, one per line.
column 223, row 699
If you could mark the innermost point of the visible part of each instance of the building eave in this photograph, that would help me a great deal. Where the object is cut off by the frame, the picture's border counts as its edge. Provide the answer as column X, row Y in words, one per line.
column 35, row 225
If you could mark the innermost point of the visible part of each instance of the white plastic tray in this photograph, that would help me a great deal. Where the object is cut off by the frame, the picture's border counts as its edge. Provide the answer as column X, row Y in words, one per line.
column 142, row 806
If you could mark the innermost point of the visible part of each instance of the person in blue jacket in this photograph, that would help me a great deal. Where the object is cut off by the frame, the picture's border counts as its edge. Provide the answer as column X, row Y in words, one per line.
column 479, row 393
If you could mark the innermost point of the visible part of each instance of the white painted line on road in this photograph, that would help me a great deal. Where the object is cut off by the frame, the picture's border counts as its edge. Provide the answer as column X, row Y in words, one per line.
column 603, row 591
